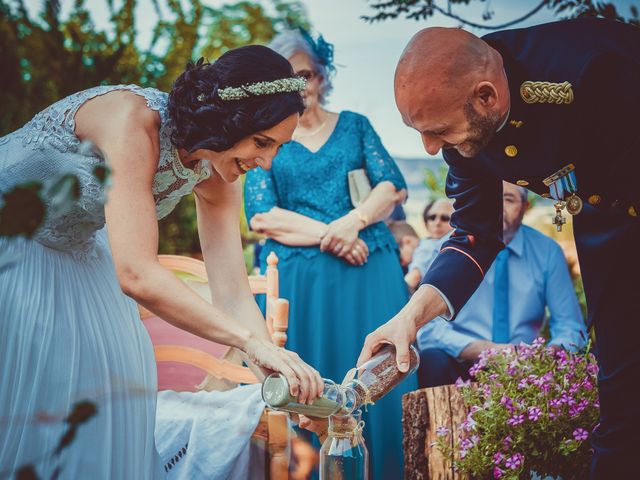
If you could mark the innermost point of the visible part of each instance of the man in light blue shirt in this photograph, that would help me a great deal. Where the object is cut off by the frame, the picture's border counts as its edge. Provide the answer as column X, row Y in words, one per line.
column 509, row 306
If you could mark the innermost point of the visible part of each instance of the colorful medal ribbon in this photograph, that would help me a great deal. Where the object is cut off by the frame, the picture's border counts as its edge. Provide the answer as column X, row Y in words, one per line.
column 563, row 183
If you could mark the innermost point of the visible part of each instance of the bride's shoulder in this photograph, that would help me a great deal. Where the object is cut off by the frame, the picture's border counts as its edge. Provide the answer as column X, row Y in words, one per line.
column 116, row 110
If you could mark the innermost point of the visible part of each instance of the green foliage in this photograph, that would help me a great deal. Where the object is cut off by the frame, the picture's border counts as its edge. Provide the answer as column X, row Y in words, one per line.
column 425, row 9
column 531, row 410
column 435, row 181
column 49, row 57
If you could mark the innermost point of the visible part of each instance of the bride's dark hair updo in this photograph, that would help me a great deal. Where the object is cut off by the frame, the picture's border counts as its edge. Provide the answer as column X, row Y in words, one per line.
column 201, row 120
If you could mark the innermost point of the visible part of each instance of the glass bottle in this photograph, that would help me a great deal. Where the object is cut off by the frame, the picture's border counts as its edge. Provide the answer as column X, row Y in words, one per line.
column 344, row 454
column 376, row 377
column 275, row 393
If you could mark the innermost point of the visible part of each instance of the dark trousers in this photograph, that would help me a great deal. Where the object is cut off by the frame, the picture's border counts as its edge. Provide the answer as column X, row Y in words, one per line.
column 614, row 304
column 439, row 368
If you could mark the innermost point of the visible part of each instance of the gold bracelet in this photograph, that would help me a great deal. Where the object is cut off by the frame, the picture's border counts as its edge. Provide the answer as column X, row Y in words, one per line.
column 361, row 216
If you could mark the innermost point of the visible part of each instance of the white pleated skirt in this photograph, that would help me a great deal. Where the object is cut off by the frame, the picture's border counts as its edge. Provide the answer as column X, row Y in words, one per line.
column 69, row 334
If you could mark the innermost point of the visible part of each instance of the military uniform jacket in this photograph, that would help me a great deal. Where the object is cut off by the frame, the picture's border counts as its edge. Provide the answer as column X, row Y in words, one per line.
column 593, row 124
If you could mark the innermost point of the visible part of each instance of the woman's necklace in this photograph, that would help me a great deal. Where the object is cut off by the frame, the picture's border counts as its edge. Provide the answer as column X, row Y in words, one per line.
column 314, row 132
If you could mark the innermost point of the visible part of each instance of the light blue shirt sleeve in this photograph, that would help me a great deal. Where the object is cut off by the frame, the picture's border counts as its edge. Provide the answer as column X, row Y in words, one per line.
column 423, row 256
column 440, row 333
column 566, row 324
column 538, row 278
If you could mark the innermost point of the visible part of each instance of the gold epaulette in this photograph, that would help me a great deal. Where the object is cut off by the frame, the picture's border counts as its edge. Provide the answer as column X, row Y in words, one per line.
column 546, row 92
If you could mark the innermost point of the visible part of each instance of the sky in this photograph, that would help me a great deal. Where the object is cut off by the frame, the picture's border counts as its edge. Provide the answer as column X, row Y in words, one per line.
column 367, row 54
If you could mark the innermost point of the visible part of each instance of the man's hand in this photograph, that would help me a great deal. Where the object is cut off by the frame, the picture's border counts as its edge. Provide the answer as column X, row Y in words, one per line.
column 319, row 426
column 474, row 349
column 402, row 329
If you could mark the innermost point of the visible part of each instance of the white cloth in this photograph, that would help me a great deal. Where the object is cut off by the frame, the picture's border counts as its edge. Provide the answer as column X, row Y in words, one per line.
column 206, row 435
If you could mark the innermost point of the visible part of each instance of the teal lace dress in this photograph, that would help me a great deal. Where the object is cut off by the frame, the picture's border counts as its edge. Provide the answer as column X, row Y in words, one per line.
column 334, row 305
column 67, row 332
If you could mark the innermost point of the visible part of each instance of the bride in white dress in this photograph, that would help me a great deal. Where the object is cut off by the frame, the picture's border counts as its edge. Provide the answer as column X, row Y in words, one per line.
column 67, row 330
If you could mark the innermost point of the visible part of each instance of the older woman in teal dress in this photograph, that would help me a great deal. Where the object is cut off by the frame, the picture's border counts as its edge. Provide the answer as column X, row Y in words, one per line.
column 339, row 265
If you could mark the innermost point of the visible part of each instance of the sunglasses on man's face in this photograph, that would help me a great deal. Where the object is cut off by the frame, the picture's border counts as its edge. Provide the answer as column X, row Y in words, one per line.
column 306, row 74
column 433, row 216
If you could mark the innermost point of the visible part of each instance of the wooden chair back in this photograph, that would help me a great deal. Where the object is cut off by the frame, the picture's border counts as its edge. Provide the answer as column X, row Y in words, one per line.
column 223, row 368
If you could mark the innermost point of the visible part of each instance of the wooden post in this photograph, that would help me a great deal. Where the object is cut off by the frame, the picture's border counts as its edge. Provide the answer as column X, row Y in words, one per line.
column 279, row 316
column 278, row 445
column 423, row 411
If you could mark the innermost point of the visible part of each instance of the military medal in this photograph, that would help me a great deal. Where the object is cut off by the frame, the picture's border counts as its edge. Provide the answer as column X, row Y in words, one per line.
column 563, row 188
column 574, row 204
column 559, row 220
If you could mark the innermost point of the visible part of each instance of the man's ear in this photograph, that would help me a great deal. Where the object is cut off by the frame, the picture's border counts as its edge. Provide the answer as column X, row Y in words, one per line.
column 486, row 95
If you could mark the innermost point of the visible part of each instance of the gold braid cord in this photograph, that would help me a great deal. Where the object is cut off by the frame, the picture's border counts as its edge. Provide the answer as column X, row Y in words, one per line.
column 546, row 92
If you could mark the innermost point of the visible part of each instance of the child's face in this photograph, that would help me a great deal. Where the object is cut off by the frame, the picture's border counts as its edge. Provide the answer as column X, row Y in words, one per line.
column 407, row 246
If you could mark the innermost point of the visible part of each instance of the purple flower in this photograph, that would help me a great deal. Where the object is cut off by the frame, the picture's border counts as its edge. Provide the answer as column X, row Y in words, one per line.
column 534, row 414
column 442, row 431
column 516, row 420
column 497, row 472
column 461, row 383
column 580, row 434
column 497, row 458
column 538, row 342
column 523, row 384
column 507, row 441
column 475, row 369
column 466, row 444
column 507, row 402
column 592, row 369
column 554, row 403
column 515, row 461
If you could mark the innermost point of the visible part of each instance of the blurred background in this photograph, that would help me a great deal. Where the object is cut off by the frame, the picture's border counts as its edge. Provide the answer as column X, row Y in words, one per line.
column 50, row 49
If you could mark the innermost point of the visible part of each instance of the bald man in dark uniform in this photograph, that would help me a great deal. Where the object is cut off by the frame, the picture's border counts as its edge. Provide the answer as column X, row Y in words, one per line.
column 553, row 108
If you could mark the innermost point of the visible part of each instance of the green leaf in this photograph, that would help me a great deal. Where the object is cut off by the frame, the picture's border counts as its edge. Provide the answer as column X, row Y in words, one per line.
column 102, row 173
column 63, row 194
column 27, row 472
column 23, row 210
column 82, row 411
column 66, row 440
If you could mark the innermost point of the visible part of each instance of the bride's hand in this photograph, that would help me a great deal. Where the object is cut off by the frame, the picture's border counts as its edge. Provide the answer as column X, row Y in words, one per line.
column 304, row 381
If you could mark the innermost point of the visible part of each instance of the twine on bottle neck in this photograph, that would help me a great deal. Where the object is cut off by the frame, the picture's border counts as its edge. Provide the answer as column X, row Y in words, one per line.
column 354, row 433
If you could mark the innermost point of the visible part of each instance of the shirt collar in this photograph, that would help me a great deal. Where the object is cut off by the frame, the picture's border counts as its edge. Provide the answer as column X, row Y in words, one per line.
column 505, row 121
column 517, row 242
column 508, row 111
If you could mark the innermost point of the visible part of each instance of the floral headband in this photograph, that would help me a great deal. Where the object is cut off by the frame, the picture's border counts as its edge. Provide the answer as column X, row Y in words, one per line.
column 282, row 85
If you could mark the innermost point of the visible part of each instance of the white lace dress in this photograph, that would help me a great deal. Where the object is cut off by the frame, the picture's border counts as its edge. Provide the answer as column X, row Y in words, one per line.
column 67, row 332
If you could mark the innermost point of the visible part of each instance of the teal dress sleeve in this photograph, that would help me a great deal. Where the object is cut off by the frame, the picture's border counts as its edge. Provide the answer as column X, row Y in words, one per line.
column 260, row 193
column 379, row 165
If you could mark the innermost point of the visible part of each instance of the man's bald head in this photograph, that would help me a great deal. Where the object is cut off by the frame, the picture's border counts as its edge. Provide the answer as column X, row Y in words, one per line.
column 442, row 57
column 447, row 76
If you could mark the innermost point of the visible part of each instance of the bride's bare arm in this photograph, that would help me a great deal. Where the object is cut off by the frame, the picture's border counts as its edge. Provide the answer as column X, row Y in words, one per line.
column 126, row 132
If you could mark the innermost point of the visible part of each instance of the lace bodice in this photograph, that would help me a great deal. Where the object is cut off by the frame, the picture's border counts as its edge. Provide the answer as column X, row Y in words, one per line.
column 47, row 147
column 316, row 184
